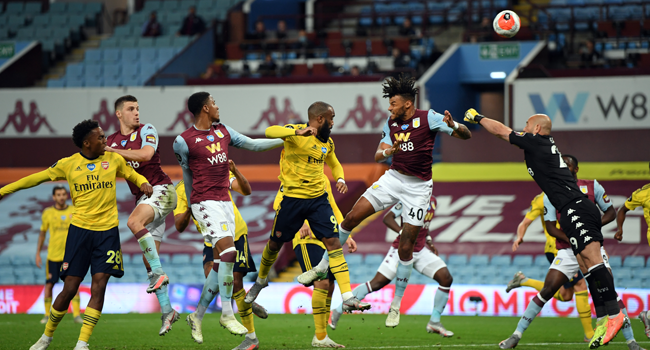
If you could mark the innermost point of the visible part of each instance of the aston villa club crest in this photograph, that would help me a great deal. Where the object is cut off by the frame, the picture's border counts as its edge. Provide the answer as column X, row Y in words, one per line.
column 405, row 126
column 416, row 122
column 123, row 143
column 210, row 138
column 133, row 136
column 90, row 167
column 220, row 134
column 105, row 165
column 224, row 226
column 584, row 189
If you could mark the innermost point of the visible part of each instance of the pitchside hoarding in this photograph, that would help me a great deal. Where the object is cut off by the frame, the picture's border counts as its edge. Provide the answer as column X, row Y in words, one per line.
column 602, row 103
column 249, row 109
column 294, row 298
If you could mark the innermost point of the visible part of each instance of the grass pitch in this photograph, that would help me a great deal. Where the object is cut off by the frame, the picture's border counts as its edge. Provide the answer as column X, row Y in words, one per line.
column 136, row 331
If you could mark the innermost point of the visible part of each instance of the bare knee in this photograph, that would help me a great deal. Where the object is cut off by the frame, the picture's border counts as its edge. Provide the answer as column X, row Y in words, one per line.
column 547, row 293
column 134, row 225
column 566, row 294
column 274, row 246
column 405, row 251
column 444, row 278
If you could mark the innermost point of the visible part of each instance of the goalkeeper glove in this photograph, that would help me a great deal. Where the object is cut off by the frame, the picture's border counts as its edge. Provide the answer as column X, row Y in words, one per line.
column 472, row 116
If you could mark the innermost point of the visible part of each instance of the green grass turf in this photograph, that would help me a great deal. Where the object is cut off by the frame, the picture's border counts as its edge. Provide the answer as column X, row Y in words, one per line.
column 135, row 331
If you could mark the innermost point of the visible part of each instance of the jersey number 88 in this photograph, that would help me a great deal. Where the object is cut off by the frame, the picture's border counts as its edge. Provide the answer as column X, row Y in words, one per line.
column 407, row 146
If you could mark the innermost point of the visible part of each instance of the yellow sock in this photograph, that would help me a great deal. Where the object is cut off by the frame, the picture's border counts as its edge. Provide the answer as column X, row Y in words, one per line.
column 529, row 282
column 48, row 305
column 319, row 304
column 558, row 296
column 339, row 268
column 245, row 310
column 91, row 316
column 268, row 258
column 76, row 308
column 328, row 306
column 53, row 322
column 584, row 310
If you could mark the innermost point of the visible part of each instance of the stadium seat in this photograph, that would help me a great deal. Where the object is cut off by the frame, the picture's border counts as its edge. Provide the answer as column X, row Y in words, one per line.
column 56, row 83
column 94, row 81
column 111, row 71
column 127, row 259
column 59, row 21
column 478, row 260
column 633, row 261
column 522, row 260
column 457, row 259
column 17, row 7
column 148, row 55
column 623, row 273
column 615, row 261
column 152, row 5
column 16, row 21
column 130, row 71
column 180, row 259
column 132, row 81
column 130, row 55
column 128, row 42
column 165, row 55
column 93, row 55
column 5, row 260
column 58, row 7
column 109, row 43
column 127, row 278
column 76, row 7
column 500, row 260
column 22, row 260
column 145, row 42
column 111, row 55
column 123, row 31
column 164, row 258
column 163, row 41
column 181, row 41
column 633, row 283
column 41, row 21
column 74, row 81
column 147, row 70
column 197, row 260
column 639, row 273
column 93, row 70
column 353, row 259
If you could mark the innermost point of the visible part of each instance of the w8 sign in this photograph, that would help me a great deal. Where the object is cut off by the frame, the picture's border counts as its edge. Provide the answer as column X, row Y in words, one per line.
column 584, row 103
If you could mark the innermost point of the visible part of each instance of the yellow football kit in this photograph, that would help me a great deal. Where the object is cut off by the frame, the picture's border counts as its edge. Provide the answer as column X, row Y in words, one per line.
column 302, row 161
column 537, row 210
column 641, row 198
column 56, row 221
column 92, row 187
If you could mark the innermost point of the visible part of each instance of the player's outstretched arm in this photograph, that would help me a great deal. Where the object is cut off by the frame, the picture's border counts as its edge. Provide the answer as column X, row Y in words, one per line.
column 551, row 228
column 240, row 184
column 337, row 172
column 39, row 246
column 620, row 219
column 139, row 155
column 460, row 130
column 492, row 126
column 276, row 131
column 385, row 150
column 256, row 145
column 26, row 182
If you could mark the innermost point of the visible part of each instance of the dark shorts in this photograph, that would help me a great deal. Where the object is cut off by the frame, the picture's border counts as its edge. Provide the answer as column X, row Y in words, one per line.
column 208, row 254
column 98, row 250
column 309, row 255
column 244, row 263
column 52, row 271
column 550, row 257
column 293, row 212
column 574, row 280
column 580, row 220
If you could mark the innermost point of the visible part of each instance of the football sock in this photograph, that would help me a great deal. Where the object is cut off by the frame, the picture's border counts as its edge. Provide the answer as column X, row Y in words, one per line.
column 529, row 282
column 328, row 307
column 148, row 246
column 226, row 279
column 627, row 327
column 245, row 310
column 76, row 307
column 404, row 269
column 604, row 283
column 558, row 295
column 91, row 316
column 48, row 305
column 163, row 300
column 343, row 237
column 359, row 292
column 53, row 322
column 599, row 305
column 339, row 269
column 584, row 311
column 529, row 315
column 268, row 258
column 439, row 303
column 210, row 290
column 319, row 307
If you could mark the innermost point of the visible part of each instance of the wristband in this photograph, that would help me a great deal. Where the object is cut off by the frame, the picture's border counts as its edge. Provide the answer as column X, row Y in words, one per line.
column 456, row 126
column 340, row 180
column 478, row 118
column 383, row 153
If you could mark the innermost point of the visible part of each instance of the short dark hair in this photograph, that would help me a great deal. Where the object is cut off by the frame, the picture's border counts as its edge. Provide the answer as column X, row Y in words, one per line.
column 403, row 86
column 120, row 101
column 317, row 108
column 573, row 159
column 196, row 102
column 81, row 131
column 59, row 187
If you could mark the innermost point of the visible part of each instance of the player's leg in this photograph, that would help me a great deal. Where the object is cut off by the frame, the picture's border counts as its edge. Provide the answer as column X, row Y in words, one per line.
column 565, row 266
column 94, row 308
column 289, row 217
column 243, row 266
column 208, row 259
column 385, row 274
column 50, row 270
column 404, row 269
column 228, row 256
column 209, row 292
column 430, row 265
column 142, row 216
column 581, row 293
column 77, row 259
column 320, row 305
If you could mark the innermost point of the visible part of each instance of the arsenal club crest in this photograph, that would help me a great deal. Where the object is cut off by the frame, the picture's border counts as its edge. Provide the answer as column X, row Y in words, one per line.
column 105, row 165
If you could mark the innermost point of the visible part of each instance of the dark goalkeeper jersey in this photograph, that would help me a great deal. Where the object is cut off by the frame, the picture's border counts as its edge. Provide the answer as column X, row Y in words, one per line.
column 546, row 166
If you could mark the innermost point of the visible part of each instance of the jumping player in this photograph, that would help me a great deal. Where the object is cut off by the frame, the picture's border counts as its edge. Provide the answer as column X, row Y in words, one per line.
column 579, row 219
column 138, row 144
column 93, row 238
column 56, row 219
column 202, row 151
column 408, row 136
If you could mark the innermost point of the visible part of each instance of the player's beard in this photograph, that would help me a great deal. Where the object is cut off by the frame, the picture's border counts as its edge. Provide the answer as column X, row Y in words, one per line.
column 324, row 132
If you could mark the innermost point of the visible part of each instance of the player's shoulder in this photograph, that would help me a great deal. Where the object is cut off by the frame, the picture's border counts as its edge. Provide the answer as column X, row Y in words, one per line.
column 112, row 136
column 295, row 126
column 47, row 211
column 330, row 142
column 538, row 198
column 643, row 191
column 147, row 128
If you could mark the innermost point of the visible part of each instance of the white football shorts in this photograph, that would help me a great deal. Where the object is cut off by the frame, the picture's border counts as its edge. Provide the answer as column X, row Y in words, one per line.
column 216, row 220
column 163, row 202
column 424, row 262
